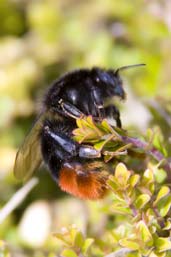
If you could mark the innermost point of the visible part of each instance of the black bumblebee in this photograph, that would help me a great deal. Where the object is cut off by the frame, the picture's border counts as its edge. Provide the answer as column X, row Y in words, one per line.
column 77, row 168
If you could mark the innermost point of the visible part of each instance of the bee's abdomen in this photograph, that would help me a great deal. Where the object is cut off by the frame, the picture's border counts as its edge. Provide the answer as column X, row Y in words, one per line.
column 83, row 181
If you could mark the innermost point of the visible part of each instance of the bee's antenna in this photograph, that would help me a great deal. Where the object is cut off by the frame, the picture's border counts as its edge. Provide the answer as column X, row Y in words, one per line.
column 127, row 67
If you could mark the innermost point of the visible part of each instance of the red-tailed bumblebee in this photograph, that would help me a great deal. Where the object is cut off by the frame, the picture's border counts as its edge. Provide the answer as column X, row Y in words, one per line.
column 77, row 168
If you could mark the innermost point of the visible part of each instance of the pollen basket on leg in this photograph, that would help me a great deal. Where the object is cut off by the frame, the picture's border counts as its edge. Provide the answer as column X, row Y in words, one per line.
column 78, row 181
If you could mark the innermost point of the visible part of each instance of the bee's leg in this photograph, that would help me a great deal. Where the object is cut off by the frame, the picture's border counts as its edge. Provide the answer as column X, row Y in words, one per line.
column 112, row 111
column 70, row 146
column 58, row 147
column 98, row 103
column 71, row 110
column 88, row 152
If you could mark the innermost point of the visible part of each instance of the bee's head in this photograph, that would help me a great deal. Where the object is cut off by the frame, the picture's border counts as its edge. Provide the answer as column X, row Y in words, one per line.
column 109, row 82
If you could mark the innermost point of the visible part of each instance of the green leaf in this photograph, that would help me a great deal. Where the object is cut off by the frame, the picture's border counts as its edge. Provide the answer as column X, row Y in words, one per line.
column 142, row 200
column 87, row 130
column 112, row 184
column 164, row 206
column 88, row 121
column 69, row 253
column 148, row 176
column 106, row 126
column 128, row 243
column 99, row 146
column 160, row 175
column 151, row 215
column 79, row 239
column 163, row 244
column 87, row 244
column 63, row 238
column 134, row 180
column 144, row 232
column 121, row 210
column 122, row 174
column 162, row 193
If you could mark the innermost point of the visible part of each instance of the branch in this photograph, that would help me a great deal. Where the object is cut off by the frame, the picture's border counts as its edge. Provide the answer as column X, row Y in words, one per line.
column 17, row 199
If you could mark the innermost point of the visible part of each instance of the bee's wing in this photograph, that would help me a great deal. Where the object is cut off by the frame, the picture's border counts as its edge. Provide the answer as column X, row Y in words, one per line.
column 29, row 157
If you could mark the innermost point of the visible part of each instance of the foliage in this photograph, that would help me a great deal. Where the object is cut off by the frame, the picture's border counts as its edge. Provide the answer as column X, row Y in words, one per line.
column 113, row 141
column 146, row 230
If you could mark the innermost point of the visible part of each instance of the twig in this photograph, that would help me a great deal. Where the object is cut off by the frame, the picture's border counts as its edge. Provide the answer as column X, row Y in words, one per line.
column 155, row 153
column 17, row 198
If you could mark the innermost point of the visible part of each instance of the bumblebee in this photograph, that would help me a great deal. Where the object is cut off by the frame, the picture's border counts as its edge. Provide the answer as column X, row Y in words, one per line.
column 78, row 169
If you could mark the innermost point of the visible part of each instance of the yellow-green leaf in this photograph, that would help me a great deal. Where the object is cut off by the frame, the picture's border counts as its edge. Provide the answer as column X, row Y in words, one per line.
column 128, row 243
column 162, row 193
column 160, row 175
column 69, row 253
column 144, row 232
column 87, row 244
column 79, row 123
column 106, row 125
column 164, row 206
column 134, row 180
column 122, row 174
column 99, row 146
column 148, row 176
column 78, row 240
column 163, row 244
column 142, row 200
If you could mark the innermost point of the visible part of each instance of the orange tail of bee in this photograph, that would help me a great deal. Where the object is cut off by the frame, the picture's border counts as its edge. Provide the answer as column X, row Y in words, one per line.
column 84, row 181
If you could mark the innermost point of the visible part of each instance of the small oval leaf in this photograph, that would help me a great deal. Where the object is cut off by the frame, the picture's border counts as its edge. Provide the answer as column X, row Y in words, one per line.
column 148, row 176
column 164, row 207
column 142, row 200
column 78, row 240
column 134, row 180
column 128, row 243
column 162, row 193
column 87, row 244
column 144, row 232
column 122, row 174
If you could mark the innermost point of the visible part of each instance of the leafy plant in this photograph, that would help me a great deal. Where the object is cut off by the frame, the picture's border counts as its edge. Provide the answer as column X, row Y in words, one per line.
column 74, row 241
column 142, row 204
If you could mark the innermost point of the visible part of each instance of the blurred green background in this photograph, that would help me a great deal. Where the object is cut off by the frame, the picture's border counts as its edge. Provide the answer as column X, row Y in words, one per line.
column 42, row 39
